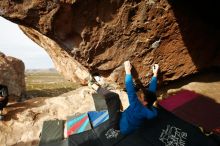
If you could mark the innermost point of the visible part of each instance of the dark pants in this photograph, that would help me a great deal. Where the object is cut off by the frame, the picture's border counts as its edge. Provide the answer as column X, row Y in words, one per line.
column 113, row 104
column 3, row 103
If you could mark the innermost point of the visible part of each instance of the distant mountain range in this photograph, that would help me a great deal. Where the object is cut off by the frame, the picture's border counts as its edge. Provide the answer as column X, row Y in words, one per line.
column 41, row 70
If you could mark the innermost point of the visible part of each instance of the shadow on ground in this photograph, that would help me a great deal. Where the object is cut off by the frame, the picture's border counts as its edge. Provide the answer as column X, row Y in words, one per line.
column 17, row 107
column 29, row 143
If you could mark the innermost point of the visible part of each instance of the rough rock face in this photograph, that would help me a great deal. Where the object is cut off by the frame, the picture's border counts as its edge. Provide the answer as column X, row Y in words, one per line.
column 97, row 36
column 12, row 74
column 24, row 121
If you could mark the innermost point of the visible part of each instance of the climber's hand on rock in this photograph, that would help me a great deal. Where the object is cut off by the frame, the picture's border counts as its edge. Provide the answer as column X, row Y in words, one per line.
column 127, row 65
column 155, row 69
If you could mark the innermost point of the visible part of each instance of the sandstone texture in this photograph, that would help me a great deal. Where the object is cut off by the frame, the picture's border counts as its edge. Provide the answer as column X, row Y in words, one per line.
column 12, row 75
column 96, row 36
column 24, row 121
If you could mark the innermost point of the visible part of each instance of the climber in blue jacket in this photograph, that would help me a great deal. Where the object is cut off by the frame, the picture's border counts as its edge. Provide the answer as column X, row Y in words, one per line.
column 140, row 107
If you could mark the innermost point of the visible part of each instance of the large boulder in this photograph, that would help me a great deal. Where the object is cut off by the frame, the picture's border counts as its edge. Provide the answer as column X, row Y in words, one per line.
column 97, row 36
column 12, row 75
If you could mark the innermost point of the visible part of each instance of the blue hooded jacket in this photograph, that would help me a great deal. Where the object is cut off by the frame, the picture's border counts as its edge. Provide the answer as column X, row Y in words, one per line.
column 135, row 114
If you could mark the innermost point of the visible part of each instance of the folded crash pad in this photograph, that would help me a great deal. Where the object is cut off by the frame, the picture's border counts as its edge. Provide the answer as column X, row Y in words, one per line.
column 87, row 138
column 99, row 101
column 57, row 143
column 52, row 131
column 78, row 124
column 98, row 117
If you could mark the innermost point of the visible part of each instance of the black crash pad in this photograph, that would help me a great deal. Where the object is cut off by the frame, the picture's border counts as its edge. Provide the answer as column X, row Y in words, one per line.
column 165, row 130
column 57, row 143
column 52, row 131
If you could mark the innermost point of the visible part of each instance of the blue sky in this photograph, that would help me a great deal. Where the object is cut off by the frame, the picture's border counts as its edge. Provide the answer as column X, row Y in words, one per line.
column 13, row 42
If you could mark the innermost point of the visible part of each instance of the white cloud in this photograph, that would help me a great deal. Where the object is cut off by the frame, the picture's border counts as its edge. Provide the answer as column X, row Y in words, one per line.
column 13, row 42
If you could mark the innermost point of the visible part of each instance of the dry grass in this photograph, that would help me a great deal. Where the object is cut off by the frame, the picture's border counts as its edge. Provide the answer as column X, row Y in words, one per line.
column 47, row 84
